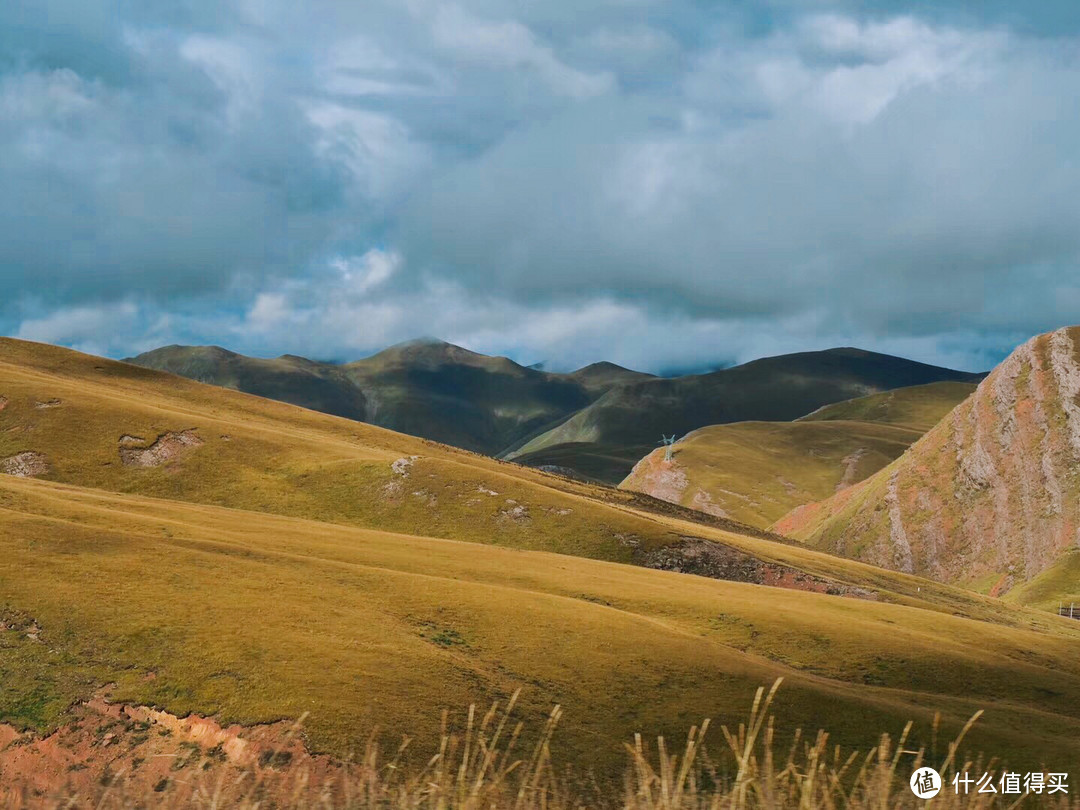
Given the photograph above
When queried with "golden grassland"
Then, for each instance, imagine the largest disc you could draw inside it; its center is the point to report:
(253, 618)
(917, 407)
(284, 568)
(485, 766)
(757, 472)
(268, 456)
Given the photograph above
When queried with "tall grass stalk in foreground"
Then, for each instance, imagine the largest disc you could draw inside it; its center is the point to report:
(480, 768)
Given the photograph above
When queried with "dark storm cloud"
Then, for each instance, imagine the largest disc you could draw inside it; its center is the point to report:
(658, 183)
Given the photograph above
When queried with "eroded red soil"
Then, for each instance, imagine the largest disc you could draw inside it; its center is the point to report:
(155, 758)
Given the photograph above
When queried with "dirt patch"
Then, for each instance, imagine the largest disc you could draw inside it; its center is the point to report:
(657, 476)
(426, 497)
(703, 502)
(851, 464)
(706, 558)
(3, 403)
(167, 447)
(49, 403)
(139, 752)
(25, 465)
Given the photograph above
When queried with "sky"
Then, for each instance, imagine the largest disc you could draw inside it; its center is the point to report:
(665, 184)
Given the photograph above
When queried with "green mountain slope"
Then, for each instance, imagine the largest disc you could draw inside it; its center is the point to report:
(426, 388)
(632, 417)
(756, 472)
(989, 498)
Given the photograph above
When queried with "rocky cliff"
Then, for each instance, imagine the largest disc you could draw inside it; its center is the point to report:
(988, 498)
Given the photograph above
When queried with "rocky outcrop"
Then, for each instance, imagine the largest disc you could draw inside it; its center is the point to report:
(991, 493)
(165, 448)
(25, 465)
(706, 558)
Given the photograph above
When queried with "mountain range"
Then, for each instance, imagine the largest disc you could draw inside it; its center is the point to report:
(596, 422)
(425, 387)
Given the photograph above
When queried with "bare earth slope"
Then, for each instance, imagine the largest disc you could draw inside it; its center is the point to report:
(756, 472)
(988, 498)
(627, 421)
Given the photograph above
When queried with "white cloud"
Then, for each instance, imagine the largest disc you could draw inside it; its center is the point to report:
(86, 328)
(361, 274)
(510, 44)
(376, 147)
(232, 67)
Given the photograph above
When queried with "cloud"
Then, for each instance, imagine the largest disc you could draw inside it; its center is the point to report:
(661, 184)
(510, 45)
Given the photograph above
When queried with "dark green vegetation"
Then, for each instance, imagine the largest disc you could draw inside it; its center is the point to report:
(776, 389)
(596, 422)
(425, 388)
(756, 472)
(206, 551)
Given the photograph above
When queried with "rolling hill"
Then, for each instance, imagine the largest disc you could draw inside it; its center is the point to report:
(595, 423)
(988, 498)
(426, 388)
(197, 550)
(624, 424)
(917, 407)
(756, 472)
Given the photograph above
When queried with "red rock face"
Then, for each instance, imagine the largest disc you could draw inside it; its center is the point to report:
(992, 490)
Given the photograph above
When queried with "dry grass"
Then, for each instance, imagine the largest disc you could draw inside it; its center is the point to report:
(757, 472)
(484, 766)
(316, 592)
(918, 407)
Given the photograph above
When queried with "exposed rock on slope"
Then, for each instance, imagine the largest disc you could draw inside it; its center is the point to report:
(167, 447)
(25, 465)
(989, 497)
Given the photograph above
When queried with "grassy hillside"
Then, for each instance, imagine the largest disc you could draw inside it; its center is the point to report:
(989, 498)
(426, 388)
(756, 472)
(253, 617)
(207, 551)
(773, 389)
(72, 411)
(91, 422)
(918, 407)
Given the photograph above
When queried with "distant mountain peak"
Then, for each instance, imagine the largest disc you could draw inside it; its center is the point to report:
(179, 350)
